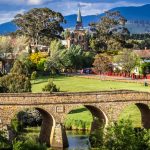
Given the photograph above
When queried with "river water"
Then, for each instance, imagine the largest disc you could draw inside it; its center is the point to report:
(78, 140)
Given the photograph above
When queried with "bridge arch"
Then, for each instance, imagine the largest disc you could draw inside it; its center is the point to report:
(48, 122)
(145, 114)
(139, 110)
(99, 117)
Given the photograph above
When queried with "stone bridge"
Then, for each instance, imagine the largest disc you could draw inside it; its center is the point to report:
(105, 106)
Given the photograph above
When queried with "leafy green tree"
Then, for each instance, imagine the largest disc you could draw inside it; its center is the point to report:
(39, 23)
(5, 45)
(54, 61)
(102, 63)
(15, 83)
(73, 58)
(128, 60)
(19, 68)
(110, 32)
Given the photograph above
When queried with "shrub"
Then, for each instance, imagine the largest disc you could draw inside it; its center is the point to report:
(4, 144)
(121, 135)
(28, 144)
(33, 75)
(50, 87)
(19, 68)
(15, 83)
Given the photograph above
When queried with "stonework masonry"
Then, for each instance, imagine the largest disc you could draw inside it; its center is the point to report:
(106, 106)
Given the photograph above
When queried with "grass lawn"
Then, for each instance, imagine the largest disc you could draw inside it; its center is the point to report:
(77, 84)
(81, 118)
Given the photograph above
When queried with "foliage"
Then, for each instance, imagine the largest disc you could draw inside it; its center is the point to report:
(97, 138)
(122, 135)
(145, 68)
(39, 23)
(110, 32)
(50, 87)
(36, 57)
(102, 63)
(6, 45)
(72, 57)
(19, 68)
(4, 143)
(41, 64)
(28, 144)
(66, 33)
(33, 75)
(54, 61)
(128, 60)
(15, 83)
(16, 125)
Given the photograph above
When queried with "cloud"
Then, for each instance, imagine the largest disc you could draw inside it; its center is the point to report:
(88, 7)
(6, 16)
(34, 2)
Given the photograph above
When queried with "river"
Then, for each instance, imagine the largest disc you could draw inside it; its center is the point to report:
(78, 140)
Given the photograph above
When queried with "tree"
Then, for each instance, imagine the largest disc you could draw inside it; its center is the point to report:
(102, 63)
(5, 45)
(19, 68)
(54, 61)
(39, 23)
(73, 58)
(128, 60)
(15, 83)
(110, 33)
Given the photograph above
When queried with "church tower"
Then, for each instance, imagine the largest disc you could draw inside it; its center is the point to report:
(79, 24)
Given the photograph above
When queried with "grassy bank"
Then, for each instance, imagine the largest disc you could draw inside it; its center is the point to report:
(77, 84)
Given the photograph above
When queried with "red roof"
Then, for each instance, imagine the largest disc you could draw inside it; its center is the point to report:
(143, 53)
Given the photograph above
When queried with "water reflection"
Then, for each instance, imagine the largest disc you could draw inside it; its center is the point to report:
(78, 140)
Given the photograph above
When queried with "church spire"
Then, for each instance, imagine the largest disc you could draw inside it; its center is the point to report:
(79, 24)
(79, 18)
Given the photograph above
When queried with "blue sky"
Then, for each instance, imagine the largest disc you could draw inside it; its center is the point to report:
(9, 8)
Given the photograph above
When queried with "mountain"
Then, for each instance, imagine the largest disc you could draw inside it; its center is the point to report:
(7, 27)
(132, 14)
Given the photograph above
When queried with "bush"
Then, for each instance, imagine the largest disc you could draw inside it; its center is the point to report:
(16, 125)
(50, 87)
(15, 83)
(33, 75)
(4, 144)
(120, 136)
(20, 68)
(28, 144)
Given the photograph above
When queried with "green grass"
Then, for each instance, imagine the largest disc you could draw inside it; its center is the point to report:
(133, 113)
(81, 118)
(78, 84)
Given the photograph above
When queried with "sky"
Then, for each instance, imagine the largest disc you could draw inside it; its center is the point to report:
(9, 8)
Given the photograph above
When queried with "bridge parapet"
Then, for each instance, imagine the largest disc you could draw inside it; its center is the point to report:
(65, 98)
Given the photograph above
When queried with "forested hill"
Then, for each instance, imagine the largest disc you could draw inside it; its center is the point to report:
(139, 19)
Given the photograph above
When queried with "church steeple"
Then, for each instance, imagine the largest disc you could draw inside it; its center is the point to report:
(79, 24)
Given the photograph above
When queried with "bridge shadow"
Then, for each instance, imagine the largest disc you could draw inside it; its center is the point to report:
(79, 110)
